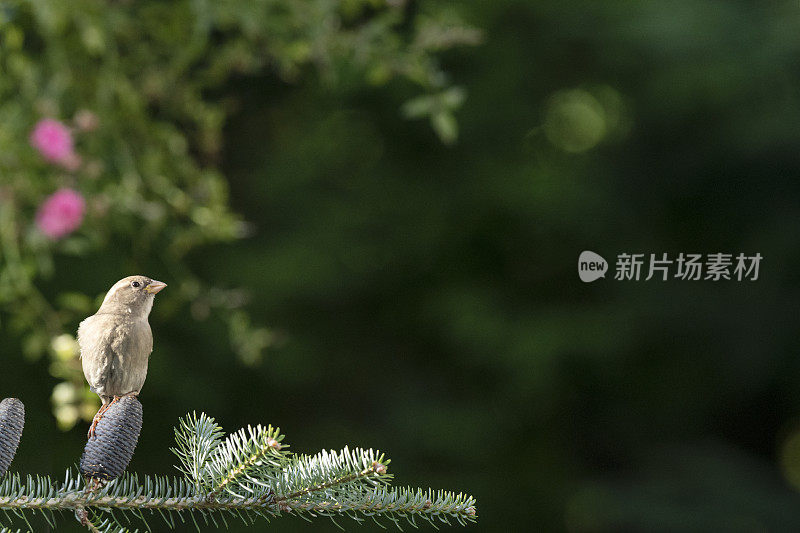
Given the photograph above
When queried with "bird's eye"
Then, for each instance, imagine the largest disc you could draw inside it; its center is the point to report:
(135, 284)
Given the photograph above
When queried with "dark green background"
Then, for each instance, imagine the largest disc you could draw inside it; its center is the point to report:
(428, 297)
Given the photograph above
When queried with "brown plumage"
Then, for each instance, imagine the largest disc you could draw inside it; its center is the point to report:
(116, 341)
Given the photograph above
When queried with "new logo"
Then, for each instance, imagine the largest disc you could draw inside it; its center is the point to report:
(591, 266)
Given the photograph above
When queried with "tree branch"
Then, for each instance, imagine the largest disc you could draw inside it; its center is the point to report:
(248, 474)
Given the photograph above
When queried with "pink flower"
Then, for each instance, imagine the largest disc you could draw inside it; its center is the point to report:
(54, 141)
(61, 213)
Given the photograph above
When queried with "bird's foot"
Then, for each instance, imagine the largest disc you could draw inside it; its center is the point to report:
(95, 420)
(99, 416)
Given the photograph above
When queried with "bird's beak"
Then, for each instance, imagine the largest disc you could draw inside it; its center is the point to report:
(154, 287)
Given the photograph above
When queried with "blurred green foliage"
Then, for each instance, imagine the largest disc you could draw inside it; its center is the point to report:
(140, 85)
(423, 298)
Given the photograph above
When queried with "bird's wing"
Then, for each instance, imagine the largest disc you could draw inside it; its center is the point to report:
(94, 337)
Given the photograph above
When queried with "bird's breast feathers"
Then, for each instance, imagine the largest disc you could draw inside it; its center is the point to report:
(114, 353)
(104, 335)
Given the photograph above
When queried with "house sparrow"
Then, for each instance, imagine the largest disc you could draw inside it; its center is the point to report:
(116, 341)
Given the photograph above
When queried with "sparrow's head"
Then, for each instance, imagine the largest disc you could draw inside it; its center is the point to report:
(132, 295)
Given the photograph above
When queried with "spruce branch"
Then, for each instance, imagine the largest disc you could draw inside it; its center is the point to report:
(196, 438)
(248, 475)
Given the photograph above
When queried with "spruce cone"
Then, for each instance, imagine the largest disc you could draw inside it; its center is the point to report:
(108, 453)
(12, 420)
